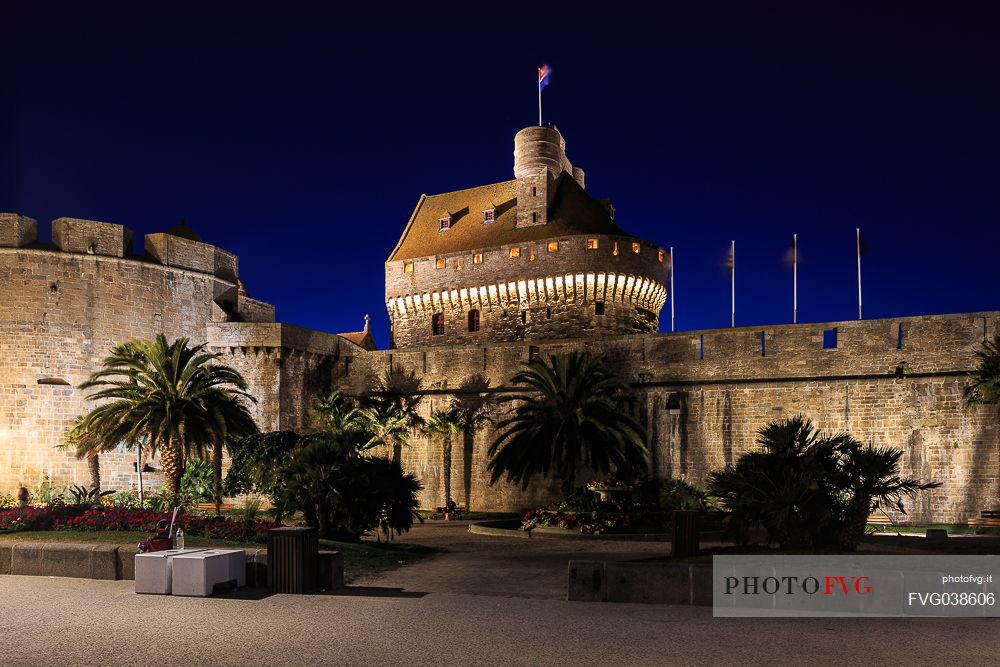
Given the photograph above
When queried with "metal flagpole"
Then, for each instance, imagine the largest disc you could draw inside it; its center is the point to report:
(859, 272)
(539, 102)
(671, 288)
(795, 278)
(732, 255)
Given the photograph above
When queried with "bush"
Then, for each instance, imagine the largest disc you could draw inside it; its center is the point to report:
(7, 502)
(128, 499)
(676, 494)
(197, 481)
(344, 493)
(807, 489)
(84, 518)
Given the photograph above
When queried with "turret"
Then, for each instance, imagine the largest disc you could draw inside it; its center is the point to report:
(539, 160)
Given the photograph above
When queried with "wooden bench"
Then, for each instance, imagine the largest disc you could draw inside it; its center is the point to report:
(211, 506)
(879, 519)
(986, 519)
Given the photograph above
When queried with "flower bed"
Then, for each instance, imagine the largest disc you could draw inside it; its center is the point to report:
(586, 522)
(90, 518)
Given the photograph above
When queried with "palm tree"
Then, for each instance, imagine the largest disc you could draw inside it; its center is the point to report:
(442, 425)
(790, 485)
(566, 415)
(874, 482)
(175, 395)
(392, 408)
(85, 445)
(336, 412)
(476, 411)
(985, 388)
(387, 426)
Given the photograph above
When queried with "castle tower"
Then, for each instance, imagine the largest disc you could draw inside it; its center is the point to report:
(539, 160)
(527, 259)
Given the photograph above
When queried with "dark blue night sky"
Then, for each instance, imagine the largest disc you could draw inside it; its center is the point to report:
(302, 143)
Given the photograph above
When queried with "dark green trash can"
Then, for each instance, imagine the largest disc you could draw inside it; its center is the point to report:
(684, 534)
(292, 560)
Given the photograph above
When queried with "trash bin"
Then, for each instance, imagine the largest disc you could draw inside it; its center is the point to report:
(684, 534)
(292, 560)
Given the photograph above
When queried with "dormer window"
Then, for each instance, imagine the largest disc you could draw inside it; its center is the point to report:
(407, 267)
(660, 256)
(477, 258)
(553, 246)
(614, 248)
(636, 247)
(440, 263)
(515, 252)
(444, 224)
(489, 215)
(591, 244)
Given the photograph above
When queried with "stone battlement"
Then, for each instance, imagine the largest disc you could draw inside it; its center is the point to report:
(106, 239)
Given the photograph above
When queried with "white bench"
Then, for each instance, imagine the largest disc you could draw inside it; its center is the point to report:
(153, 571)
(198, 573)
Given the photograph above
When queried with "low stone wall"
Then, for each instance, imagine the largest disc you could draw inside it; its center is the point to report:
(114, 562)
(657, 583)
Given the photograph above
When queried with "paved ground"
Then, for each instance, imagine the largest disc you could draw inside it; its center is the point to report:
(465, 607)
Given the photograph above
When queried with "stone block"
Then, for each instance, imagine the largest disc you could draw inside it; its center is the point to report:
(587, 581)
(92, 237)
(662, 583)
(126, 562)
(196, 574)
(86, 561)
(331, 570)
(183, 253)
(701, 585)
(5, 557)
(17, 230)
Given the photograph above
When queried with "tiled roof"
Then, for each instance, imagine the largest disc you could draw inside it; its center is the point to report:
(362, 339)
(572, 211)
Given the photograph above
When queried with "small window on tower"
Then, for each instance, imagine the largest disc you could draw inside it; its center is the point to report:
(437, 324)
(444, 223)
(591, 244)
(489, 215)
(553, 246)
(473, 320)
(407, 267)
(477, 258)
(439, 263)
(598, 308)
(636, 247)
(515, 252)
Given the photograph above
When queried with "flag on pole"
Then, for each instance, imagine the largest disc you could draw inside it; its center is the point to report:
(544, 74)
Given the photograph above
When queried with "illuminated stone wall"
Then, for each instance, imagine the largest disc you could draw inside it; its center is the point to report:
(703, 395)
(540, 294)
(64, 305)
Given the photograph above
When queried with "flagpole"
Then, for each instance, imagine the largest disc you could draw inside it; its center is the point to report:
(859, 272)
(539, 102)
(671, 288)
(732, 312)
(795, 278)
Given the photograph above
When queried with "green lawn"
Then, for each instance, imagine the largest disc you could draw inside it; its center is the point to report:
(360, 559)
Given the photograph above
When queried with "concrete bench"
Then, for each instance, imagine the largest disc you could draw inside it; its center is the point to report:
(154, 571)
(198, 573)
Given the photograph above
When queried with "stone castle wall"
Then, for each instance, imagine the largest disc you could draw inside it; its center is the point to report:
(702, 396)
(537, 294)
(63, 306)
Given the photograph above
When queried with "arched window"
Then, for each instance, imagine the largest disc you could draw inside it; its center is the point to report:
(437, 324)
(473, 320)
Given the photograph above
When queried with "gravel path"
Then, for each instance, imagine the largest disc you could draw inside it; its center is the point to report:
(489, 601)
